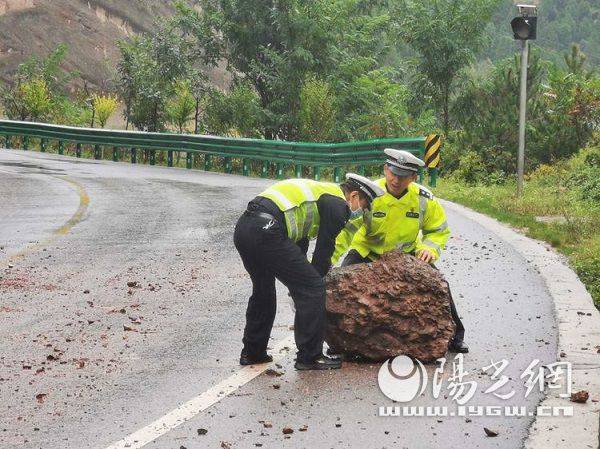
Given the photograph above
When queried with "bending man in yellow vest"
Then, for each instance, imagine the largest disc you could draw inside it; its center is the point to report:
(407, 217)
(272, 238)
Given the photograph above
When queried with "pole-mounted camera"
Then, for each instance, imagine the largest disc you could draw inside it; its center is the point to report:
(525, 25)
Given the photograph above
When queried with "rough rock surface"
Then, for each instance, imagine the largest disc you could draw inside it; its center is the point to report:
(396, 305)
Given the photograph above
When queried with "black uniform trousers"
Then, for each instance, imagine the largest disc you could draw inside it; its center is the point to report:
(353, 257)
(268, 254)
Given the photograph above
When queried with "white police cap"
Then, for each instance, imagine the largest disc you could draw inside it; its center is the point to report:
(368, 187)
(402, 163)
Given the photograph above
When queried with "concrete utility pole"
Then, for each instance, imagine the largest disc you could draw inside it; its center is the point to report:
(522, 116)
(524, 28)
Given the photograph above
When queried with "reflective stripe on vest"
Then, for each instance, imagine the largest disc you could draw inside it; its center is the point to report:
(281, 197)
(297, 199)
(422, 210)
(440, 228)
(432, 245)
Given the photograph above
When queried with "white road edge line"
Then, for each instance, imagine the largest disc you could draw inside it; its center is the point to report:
(195, 406)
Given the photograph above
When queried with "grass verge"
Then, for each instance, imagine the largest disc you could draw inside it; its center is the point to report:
(547, 211)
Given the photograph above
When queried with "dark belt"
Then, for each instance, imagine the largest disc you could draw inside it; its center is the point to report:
(255, 213)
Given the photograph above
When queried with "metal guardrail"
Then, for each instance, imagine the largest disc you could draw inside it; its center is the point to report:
(274, 156)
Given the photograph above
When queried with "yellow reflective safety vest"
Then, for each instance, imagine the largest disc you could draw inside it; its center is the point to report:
(413, 222)
(297, 199)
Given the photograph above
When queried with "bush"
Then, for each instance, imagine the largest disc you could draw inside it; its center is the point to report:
(36, 99)
(587, 184)
(105, 106)
(592, 156)
(471, 168)
(584, 174)
(497, 177)
(587, 266)
(550, 175)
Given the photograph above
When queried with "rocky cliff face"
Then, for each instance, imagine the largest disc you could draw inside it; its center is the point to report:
(396, 305)
(90, 28)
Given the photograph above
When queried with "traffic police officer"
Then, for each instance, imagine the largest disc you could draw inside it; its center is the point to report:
(272, 238)
(407, 217)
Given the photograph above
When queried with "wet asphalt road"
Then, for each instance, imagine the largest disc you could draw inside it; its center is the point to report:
(86, 360)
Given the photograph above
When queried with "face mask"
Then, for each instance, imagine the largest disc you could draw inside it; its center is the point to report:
(356, 213)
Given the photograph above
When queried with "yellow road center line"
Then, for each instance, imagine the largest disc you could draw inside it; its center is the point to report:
(77, 217)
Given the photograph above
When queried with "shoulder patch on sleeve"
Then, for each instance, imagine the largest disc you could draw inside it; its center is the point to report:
(426, 193)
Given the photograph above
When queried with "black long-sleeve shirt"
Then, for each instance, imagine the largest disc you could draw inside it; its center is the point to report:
(333, 212)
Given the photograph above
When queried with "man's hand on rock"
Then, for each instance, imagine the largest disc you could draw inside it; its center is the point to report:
(425, 256)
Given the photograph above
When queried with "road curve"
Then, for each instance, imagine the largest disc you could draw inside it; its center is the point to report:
(87, 360)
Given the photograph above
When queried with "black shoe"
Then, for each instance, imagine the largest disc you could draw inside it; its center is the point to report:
(458, 346)
(334, 353)
(246, 359)
(322, 362)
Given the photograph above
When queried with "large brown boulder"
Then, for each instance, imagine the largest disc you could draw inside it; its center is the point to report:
(396, 305)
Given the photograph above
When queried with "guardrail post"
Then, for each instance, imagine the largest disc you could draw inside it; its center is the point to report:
(115, 154)
(170, 158)
(207, 162)
(134, 155)
(337, 174)
(78, 150)
(298, 170)
(8, 142)
(433, 175)
(97, 152)
(26, 143)
(188, 160)
(228, 165)
(245, 167)
(152, 157)
(279, 170)
(317, 172)
(264, 171)
(43, 143)
(61, 147)
(361, 170)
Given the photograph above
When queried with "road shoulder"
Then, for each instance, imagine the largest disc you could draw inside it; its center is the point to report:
(578, 323)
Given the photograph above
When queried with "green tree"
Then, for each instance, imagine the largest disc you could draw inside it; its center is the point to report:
(37, 91)
(317, 117)
(237, 113)
(181, 106)
(34, 98)
(245, 110)
(374, 105)
(49, 69)
(486, 112)
(126, 72)
(275, 45)
(271, 44)
(149, 69)
(447, 34)
(217, 119)
(563, 110)
(572, 112)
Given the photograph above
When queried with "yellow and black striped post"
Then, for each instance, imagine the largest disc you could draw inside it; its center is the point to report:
(433, 144)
